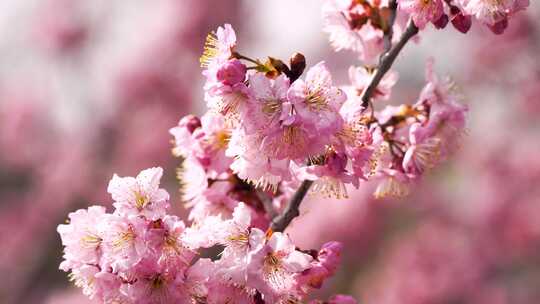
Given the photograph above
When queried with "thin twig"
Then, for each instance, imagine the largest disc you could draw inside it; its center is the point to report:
(240, 56)
(386, 62)
(291, 211)
(387, 59)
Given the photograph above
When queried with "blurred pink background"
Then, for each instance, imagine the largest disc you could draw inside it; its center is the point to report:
(90, 88)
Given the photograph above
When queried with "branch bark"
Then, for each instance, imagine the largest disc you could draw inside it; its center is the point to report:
(291, 211)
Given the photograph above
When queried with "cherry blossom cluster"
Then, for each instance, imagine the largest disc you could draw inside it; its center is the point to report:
(360, 25)
(141, 254)
(269, 129)
(492, 13)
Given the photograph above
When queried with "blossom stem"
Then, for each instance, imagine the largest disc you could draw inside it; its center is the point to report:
(387, 59)
(240, 56)
(292, 209)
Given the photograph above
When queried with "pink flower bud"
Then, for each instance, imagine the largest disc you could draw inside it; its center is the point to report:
(330, 255)
(232, 72)
(460, 21)
(314, 277)
(441, 22)
(499, 27)
(190, 122)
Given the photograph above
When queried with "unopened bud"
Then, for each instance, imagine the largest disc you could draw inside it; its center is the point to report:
(190, 122)
(298, 64)
(499, 27)
(441, 22)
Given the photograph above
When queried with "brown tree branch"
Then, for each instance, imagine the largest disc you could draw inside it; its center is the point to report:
(389, 32)
(387, 59)
(291, 211)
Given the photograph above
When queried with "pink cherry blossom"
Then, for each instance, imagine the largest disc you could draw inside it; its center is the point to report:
(219, 46)
(330, 255)
(266, 106)
(213, 200)
(422, 11)
(447, 117)
(492, 12)
(227, 100)
(225, 91)
(393, 183)
(139, 195)
(154, 284)
(193, 180)
(183, 141)
(168, 237)
(322, 268)
(360, 78)
(253, 166)
(123, 241)
(423, 152)
(309, 118)
(348, 31)
(220, 292)
(235, 234)
(317, 98)
(204, 284)
(83, 278)
(272, 268)
(206, 144)
(82, 237)
(330, 177)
